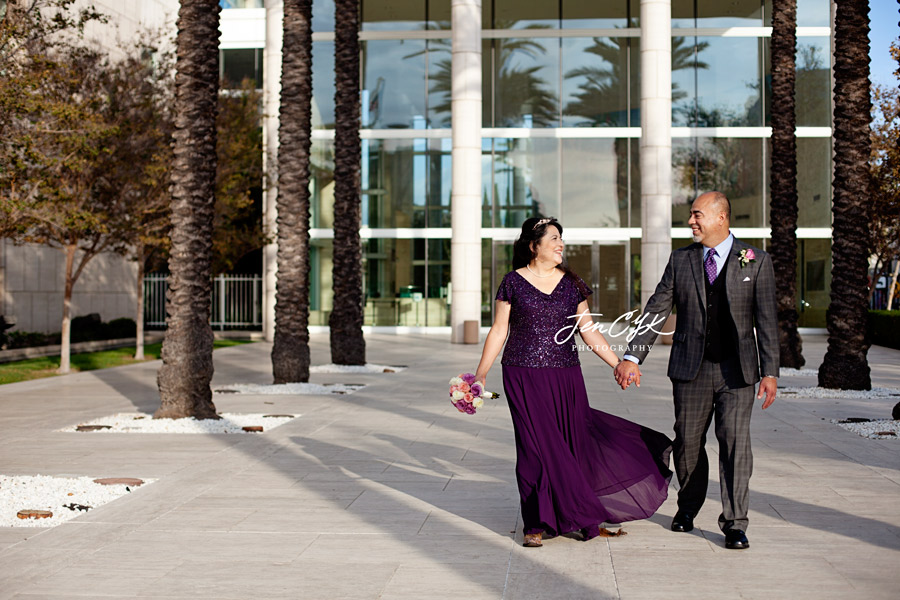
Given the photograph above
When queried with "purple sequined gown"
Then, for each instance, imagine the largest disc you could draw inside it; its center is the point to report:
(576, 467)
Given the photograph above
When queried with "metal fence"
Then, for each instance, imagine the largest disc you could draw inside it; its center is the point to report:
(236, 301)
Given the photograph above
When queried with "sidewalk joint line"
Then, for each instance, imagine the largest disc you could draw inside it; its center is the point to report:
(354, 500)
(612, 564)
(422, 526)
(388, 582)
(509, 561)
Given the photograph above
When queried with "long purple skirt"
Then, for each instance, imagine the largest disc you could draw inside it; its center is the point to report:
(577, 467)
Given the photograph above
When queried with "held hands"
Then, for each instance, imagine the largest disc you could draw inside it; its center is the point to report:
(626, 373)
(768, 386)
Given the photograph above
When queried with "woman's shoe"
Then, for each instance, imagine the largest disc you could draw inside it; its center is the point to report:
(604, 532)
(532, 540)
(589, 533)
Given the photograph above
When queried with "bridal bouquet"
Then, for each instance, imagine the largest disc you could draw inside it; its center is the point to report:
(467, 395)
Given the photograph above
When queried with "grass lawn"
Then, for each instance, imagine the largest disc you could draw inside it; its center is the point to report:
(35, 368)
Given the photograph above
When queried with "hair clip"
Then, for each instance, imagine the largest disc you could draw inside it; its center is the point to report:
(541, 222)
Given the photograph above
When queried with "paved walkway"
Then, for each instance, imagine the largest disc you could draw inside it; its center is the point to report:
(391, 493)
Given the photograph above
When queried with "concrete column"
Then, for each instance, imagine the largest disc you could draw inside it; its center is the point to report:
(465, 199)
(272, 100)
(656, 142)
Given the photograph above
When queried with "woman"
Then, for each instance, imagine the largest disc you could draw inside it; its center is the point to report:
(576, 467)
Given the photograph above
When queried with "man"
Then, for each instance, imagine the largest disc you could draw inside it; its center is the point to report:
(721, 288)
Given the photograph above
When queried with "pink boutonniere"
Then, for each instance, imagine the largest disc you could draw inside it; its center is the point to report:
(747, 256)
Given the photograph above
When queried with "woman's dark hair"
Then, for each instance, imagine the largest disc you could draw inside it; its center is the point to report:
(525, 248)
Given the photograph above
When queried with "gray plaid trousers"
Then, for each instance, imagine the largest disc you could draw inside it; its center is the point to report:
(717, 392)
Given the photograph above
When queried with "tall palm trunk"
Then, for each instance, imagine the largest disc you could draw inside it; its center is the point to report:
(348, 347)
(187, 368)
(290, 352)
(845, 365)
(783, 213)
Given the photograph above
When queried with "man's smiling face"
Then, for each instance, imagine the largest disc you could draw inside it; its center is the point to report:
(708, 221)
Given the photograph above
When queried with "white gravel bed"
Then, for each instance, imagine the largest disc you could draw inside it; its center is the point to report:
(366, 368)
(786, 372)
(291, 389)
(818, 392)
(876, 429)
(42, 492)
(145, 423)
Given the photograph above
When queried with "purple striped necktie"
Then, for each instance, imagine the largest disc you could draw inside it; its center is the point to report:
(711, 265)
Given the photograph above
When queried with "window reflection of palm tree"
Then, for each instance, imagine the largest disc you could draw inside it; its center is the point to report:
(518, 90)
(518, 177)
(598, 100)
(374, 107)
(686, 56)
(813, 87)
(723, 164)
(730, 165)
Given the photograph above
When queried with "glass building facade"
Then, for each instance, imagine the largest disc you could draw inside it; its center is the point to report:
(560, 135)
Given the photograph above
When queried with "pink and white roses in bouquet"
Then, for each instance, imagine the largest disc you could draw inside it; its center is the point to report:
(467, 394)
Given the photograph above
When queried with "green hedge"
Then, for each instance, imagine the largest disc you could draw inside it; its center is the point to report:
(884, 328)
(30, 339)
(90, 327)
(85, 328)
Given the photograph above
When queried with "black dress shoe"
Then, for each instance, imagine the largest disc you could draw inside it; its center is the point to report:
(683, 521)
(735, 539)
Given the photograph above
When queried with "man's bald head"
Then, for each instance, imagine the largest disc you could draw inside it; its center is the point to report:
(718, 202)
(710, 218)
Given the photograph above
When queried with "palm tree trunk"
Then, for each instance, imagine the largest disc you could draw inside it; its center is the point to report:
(187, 368)
(783, 214)
(290, 352)
(348, 347)
(845, 365)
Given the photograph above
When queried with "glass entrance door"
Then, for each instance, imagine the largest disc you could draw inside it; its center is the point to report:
(603, 266)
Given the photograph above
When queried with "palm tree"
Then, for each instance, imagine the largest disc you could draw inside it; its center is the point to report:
(290, 352)
(519, 90)
(845, 365)
(348, 347)
(783, 213)
(522, 91)
(602, 84)
(187, 368)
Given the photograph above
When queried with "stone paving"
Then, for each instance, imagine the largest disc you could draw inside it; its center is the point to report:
(389, 492)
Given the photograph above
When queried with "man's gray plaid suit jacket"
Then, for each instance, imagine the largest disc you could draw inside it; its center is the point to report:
(751, 300)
